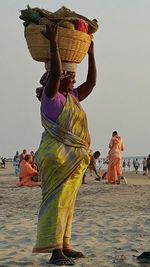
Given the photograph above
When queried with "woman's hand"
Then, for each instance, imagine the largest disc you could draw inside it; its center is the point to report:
(51, 33)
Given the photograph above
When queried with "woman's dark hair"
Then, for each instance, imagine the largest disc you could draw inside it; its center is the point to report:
(44, 78)
(97, 153)
(114, 133)
(27, 157)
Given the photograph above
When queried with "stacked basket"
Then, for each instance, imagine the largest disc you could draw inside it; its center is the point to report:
(73, 44)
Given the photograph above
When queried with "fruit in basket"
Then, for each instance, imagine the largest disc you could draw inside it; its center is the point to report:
(66, 24)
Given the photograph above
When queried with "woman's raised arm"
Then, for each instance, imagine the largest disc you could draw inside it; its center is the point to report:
(86, 88)
(53, 82)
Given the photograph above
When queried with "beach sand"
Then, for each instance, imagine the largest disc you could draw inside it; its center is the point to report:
(111, 222)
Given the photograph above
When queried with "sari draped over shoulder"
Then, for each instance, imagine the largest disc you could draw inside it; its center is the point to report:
(62, 158)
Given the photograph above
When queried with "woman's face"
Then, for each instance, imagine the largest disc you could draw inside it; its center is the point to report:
(67, 81)
(30, 159)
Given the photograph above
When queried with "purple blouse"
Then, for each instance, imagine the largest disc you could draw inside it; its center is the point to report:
(52, 107)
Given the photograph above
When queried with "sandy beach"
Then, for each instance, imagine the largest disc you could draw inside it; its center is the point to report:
(111, 222)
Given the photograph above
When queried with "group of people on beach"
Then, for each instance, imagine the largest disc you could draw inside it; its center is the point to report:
(26, 169)
(113, 175)
(136, 164)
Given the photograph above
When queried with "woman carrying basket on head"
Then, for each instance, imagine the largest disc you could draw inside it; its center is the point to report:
(63, 154)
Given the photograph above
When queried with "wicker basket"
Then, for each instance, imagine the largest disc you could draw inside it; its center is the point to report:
(73, 45)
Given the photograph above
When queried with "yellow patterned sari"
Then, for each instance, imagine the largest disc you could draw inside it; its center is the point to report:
(62, 158)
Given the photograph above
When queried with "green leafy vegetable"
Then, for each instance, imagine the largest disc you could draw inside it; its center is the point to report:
(29, 15)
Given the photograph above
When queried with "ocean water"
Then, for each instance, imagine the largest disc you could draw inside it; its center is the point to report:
(100, 163)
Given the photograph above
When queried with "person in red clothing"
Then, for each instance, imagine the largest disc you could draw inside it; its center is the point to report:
(27, 173)
(114, 172)
(22, 155)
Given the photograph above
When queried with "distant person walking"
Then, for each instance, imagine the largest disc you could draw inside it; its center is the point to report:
(124, 164)
(114, 172)
(136, 165)
(129, 164)
(144, 162)
(16, 163)
(148, 165)
(3, 162)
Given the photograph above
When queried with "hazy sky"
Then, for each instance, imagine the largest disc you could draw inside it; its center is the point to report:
(121, 99)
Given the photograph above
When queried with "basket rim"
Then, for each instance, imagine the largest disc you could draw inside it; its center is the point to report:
(61, 29)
